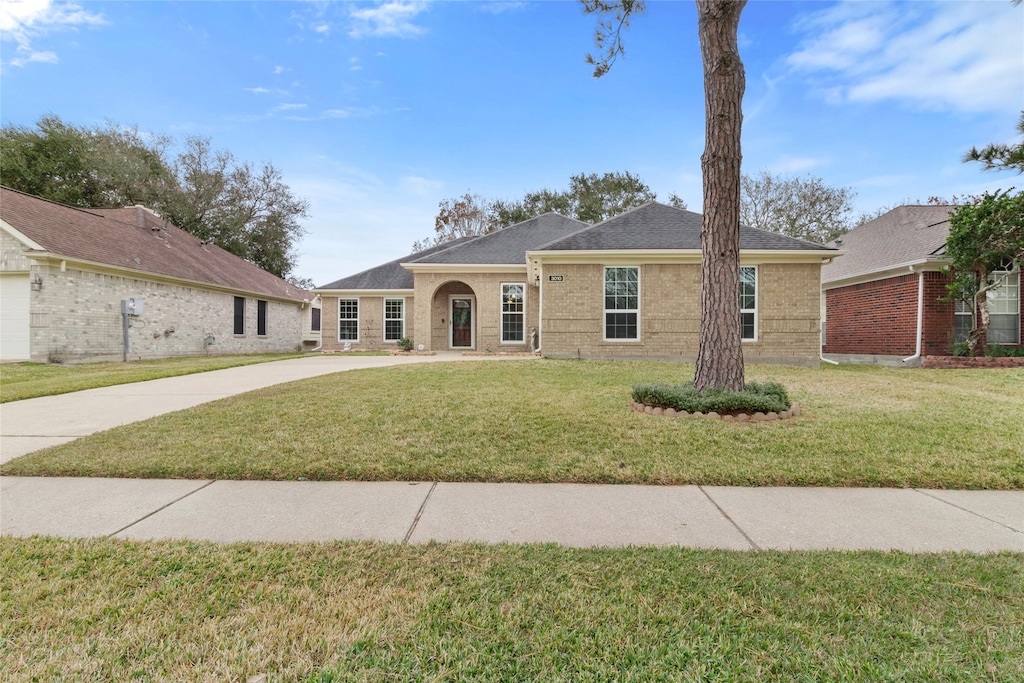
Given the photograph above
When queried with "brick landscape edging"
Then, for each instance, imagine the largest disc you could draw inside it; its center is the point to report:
(966, 362)
(794, 411)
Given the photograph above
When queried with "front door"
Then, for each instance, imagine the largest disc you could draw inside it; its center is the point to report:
(462, 322)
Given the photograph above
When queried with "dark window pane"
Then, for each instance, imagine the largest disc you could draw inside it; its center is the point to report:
(315, 325)
(620, 325)
(239, 315)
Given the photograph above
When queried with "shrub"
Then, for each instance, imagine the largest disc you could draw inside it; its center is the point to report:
(961, 349)
(765, 397)
(405, 344)
(998, 351)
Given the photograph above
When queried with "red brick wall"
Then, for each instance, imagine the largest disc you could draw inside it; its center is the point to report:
(880, 317)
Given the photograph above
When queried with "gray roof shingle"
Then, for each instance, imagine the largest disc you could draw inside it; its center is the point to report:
(391, 275)
(660, 226)
(137, 239)
(907, 234)
(507, 246)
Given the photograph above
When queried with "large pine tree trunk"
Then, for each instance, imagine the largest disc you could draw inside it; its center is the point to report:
(720, 352)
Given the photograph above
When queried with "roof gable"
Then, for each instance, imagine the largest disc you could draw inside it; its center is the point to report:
(655, 226)
(907, 234)
(137, 239)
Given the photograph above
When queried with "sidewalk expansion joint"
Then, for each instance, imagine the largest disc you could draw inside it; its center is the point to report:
(725, 514)
(969, 511)
(419, 513)
(161, 508)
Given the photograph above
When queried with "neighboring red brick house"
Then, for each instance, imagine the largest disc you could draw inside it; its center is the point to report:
(883, 297)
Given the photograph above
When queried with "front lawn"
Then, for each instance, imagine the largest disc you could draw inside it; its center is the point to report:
(570, 421)
(30, 380)
(113, 610)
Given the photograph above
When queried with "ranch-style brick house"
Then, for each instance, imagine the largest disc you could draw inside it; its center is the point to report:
(627, 287)
(123, 284)
(883, 299)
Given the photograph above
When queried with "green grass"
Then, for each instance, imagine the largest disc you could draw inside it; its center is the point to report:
(111, 610)
(570, 421)
(19, 381)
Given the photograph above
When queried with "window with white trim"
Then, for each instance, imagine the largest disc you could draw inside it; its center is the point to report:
(748, 303)
(513, 312)
(1004, 308)
(394, 319)
(963, 321)
(348, 319)
(621, 303)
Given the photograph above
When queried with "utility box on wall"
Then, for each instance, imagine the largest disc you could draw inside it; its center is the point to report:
(131, 306)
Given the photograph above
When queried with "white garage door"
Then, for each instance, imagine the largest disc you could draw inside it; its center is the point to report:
(14, 296)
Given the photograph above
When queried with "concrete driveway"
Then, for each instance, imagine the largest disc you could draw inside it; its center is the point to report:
(37, 423)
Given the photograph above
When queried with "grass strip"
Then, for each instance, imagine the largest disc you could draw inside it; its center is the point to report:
(113, 610)
(19, 381)
(570, 421)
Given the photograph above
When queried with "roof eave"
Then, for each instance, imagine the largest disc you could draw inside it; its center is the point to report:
(678, 255)
(464, 267)
(365, 292)
(930, 263)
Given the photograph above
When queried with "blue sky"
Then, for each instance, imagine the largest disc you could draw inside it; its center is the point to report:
(376, 111)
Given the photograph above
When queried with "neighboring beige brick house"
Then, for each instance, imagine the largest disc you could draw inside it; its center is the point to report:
(628, 287)
(64, 273)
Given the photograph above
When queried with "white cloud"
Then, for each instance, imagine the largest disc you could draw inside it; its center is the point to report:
(290, 107)
(951, 55)
(280, 70)
(501, 6)
(257, 91)
(23, 21)
(393, 19)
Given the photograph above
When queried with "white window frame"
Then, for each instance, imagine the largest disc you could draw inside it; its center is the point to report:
(605, 311)
(340, 319)
(262, 311)
(963, 308)
(996, 275)
(753, 310)
(521, 313)
(386, 320)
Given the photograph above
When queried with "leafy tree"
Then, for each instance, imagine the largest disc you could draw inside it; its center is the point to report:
(248, 211)
(456, 218)
(589, 198)
(676, 201)
(984, 236)
(805, 208)
(83, 167)
(719, 353)
(1000, 157)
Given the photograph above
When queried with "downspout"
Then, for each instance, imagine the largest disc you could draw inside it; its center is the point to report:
(540, 309)
(821, 341)
(920, 316)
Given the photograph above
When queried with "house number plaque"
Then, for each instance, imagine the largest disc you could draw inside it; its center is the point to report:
(555, 278)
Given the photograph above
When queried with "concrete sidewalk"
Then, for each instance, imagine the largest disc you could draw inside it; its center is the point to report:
(568, 514)
(36, 423)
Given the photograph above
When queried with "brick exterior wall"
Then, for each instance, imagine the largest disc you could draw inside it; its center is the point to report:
(76, 315)
(880, 317)
(788, 299)
(433, 290)
(371, 323)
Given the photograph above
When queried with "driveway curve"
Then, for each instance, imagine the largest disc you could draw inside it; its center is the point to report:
(37, 423)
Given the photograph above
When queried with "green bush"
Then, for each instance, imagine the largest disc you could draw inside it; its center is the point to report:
(405, 344)
(998, 351)
(961, 349)
(765, 397)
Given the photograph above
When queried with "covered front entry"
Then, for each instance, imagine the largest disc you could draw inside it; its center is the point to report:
(461, 314)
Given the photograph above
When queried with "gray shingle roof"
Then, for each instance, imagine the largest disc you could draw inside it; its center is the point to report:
(659, 226)
(390, 275)
(137, 239)
(907, 234)
(507, 246)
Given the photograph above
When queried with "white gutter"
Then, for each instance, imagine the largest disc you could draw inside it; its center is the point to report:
(540, 306)
(920, 315)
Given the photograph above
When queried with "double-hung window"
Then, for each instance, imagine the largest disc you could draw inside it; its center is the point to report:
(513, 310)
(348, 319)
(748, 303)
(621, 303)
(964, 320)
(1004, 308)
(394, 319)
